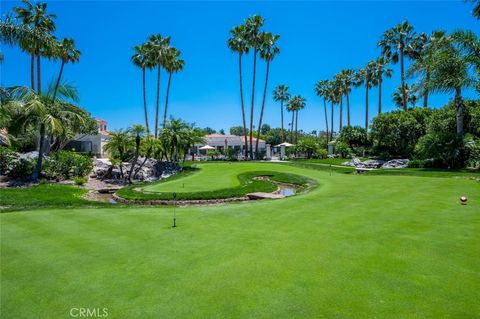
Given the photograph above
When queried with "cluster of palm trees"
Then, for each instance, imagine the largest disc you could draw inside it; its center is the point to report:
(157, 53)
(243, 38)
(294, 104)
(440, 62)
(173, 142)
(50, 111)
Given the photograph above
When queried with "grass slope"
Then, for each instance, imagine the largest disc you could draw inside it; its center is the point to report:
(44, 196)
(356, 247)
(209, 181)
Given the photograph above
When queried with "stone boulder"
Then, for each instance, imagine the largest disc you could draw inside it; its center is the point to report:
(101, 167)
(356, 162)
(396, 163)
(144, 170)
(373, 163)
(29, 156)
(4, 141)
(165, 169)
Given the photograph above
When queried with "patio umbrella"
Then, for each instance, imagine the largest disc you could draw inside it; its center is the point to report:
(284, 144)
(207, 147)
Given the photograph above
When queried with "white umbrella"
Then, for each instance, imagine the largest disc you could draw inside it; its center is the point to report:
(284, 144)
(207, 147)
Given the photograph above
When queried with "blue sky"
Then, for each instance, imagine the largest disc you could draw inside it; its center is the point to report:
(318, 39)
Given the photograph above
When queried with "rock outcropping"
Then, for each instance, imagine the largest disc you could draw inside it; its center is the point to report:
(395, 163)
(144, 170)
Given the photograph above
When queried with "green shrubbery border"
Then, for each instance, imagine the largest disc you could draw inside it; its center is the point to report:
(247, 185)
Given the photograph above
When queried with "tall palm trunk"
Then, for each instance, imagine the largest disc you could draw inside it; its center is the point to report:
(380, 94)
(263, 107)
(39, 80)
(281, 116)
(158, 100)
(41, 150)
(253, 102)
(243, 106)
(425, 89)
(296, 126)
(459, 111)
(331, 130)
(145, 100)
(291, 129)
(402, 72)
(348, 106)
(32, 71)
(166, 100)
(135, 158)
(58, 80)
(326, 116)
(366, 105)
(341, 115)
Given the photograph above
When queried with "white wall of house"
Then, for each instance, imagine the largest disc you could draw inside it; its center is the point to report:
(92, 143)
(230, 141)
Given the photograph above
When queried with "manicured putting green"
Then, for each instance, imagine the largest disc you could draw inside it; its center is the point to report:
(354, 247)
(209, 177)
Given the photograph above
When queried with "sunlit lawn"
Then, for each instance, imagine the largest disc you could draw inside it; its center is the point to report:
(354, 247)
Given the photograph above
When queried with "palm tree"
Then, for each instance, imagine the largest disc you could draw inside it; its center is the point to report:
(136, 130)
(141, 59)
(238, 43)
(281, 94)
(333, 98)
(68, 54)
(12, 34)
(346, 78)
(396, 43)
(35, 16)
(411, 96)
(252, 30)
(172, 64)
(450, 70)
(476, 8)
(158, 46)
(291, 108)
(118, 144)
(51, 116)
(295, 104)
(339, 92)
(321, 89)
(268, 50)
(380, 72)
(366, 77)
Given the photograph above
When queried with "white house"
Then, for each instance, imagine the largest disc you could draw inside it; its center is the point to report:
(221, 142)
(93, 144)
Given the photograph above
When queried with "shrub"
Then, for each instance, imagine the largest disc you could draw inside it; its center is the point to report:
(417, 163)
(79, 180)
(342, 149)
(472, 151)
(22, 168)
(213, 154)
(355, 137)
(7, 157)
(322, 153)
(64, 164)
(441, 143)
(307, 146)
(396, 133)
(231, 154)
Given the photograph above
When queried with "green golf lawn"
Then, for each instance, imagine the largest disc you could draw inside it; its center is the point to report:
(356, 246)
(210, 177)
